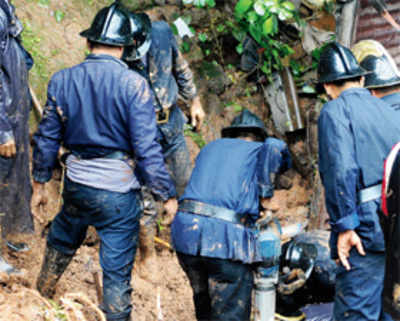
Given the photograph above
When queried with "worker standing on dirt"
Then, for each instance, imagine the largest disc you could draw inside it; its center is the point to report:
(356, 132)
(156, 57)
(384, 83)
(103, 113)
(15, 185)
(213, 231)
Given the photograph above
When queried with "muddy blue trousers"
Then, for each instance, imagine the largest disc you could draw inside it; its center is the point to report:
(221, 288)
(359, 291)
(116, 219)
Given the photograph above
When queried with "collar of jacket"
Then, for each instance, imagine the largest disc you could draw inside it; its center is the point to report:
(94, 57)
(350, 91)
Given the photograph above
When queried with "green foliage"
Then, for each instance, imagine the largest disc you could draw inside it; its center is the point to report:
(185, 47)
(202, 37)
(197, 138)
(59, 15)
(32, 43)
(235, 106)
(260, 19)
(200, 3)
(44, 3)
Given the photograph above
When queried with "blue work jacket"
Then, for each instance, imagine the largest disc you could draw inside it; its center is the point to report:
(393, 100)
(356, 131)
(233, 174)
(101, 104)
(166, 69)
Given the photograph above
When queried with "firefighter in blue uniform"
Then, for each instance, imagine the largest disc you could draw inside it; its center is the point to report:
(15, 185)
(213, 230)
(103, 113)
(384, 83)
(156, 57)
(356, 131)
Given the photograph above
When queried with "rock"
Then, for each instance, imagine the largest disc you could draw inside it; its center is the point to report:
(137, 5)
(284, 182)
(200, 17)
(216, 78)
(298, 195)
(196, 53)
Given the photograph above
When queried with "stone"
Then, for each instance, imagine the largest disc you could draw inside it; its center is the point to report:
(284, 182)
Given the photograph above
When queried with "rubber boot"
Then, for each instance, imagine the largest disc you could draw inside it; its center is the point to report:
(147, 263)
(53, 266)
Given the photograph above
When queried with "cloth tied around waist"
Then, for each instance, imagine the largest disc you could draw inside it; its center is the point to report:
(113, 172)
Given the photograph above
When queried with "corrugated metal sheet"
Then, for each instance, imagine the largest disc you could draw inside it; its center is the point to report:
(373, 26)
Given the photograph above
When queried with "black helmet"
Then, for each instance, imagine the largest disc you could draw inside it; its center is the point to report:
(112, 26)
(299, 255)
(141, 32)
(373, 57)
(246, 121)
(338, 63)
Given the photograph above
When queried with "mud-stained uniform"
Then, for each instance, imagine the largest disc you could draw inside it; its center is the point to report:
(216, 254)
(15, 185)
(356, 132)
(169, 75)
(103, 113)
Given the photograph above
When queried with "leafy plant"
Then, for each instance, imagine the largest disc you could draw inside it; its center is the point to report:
(59, 15)
(200, 3)
(260, 19)
(197, 138)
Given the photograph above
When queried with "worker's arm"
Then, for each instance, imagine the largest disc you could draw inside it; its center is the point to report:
(339, 174)
(273, 159)
(184, 79)
(143, 133)
(47, 138)
(47, 141)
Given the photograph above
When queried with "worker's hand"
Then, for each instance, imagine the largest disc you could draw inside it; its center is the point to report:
(39, 197)
(346, 241)
(197, 113)
(170, 209)
(8, 149)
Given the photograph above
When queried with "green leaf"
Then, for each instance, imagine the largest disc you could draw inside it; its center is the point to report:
(239, 34)
(242, 7)
(239, 49)
(220, 28)
(210, 3)
(185, 46)
(252, 17)
(237, 108)
(270, 26)
(288, 6)
(59, 15)
(202, 37)
(308, 89)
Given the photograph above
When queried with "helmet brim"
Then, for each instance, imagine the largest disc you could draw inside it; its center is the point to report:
(388, 84)
(361, 73)
(231, 131)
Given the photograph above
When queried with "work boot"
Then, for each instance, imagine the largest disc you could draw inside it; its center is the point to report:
(147, 262)
(53, 266)
(6, 267)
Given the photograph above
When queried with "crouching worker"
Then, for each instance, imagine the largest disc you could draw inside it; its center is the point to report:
(213, 231)
(103, 113)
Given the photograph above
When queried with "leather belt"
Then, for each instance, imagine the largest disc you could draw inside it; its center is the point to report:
(370, 193)
(205, 209)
